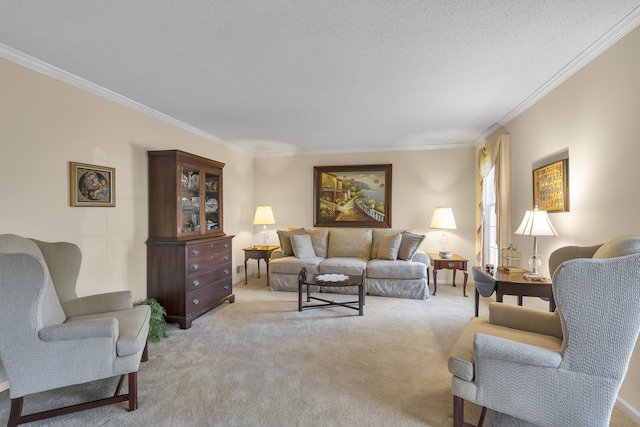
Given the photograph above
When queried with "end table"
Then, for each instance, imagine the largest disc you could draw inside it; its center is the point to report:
(456, 262)
(258, 253)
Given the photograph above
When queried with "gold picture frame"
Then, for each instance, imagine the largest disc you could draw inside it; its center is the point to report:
(352, 196)
(551, 187)
(91, 185)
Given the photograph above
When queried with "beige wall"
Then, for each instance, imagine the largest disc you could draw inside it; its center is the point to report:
(421, 181)
(593, 115)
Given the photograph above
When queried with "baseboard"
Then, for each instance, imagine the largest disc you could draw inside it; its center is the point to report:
(4, 386)
(629, 410)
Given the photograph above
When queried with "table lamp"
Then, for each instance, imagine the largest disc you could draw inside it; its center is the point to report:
(263, 217)
(443, 218)
(535, 223)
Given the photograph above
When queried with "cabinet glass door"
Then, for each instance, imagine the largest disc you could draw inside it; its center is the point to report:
(190, 200)
(212, 205)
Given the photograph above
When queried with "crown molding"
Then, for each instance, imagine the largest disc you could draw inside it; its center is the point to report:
(622, 28)
(52, 71)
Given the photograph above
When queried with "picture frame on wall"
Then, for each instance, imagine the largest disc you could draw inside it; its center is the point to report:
(551, 186)
(352, 196)
(91, 185)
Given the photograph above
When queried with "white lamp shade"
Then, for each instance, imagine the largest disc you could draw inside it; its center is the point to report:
(263, 216)
(536, 223)
(443, 218)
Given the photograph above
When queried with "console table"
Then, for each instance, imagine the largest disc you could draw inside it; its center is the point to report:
(258, 253)
(516, 284)
(455, 263)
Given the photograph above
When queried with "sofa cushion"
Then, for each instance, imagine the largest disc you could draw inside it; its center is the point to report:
(379, 233)
(301, 245)
(350, 242)
(319, 239)
(52, 312)
(386, 269)
(343, 265)
(389, 245)
(292, 265)
(409, 245)
(620, 246)
(285, 239)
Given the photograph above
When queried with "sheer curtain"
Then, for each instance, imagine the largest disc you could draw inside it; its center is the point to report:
(495, 154)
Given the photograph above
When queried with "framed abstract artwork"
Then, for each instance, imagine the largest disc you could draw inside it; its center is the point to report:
(551, 187)
(92, 185)
(352, 196)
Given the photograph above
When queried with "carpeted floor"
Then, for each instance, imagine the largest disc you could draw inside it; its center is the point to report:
(260, 362)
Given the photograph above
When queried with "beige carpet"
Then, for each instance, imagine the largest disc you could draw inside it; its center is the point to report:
(260, 362)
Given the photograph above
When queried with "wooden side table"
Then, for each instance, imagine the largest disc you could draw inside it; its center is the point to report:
(455, 263)
(258, 253)
(516, 284)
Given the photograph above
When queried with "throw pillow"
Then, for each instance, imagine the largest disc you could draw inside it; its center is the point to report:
(285, 239)
(302, 246)
(620, 246)
(409, 244)
(389, 246)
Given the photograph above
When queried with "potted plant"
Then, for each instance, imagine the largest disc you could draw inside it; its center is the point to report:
(157, 324)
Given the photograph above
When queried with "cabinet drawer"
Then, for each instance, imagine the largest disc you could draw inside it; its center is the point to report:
(204, 299)
(208, 248)
(451, 265)
(200, 280)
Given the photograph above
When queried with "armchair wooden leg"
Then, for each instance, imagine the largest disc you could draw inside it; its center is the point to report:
(16, 411)
(145, 352)
(458, 413)
(133, 391)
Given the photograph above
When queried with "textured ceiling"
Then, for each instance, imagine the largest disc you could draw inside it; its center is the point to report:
(328, 76)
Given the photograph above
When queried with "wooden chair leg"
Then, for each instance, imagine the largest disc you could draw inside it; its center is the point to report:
(16, 411)
(145, 352)
(133, 391)
(458, 413)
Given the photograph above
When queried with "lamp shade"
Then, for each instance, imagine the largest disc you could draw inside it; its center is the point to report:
(263, 216)
(443, 218)
(536, 223)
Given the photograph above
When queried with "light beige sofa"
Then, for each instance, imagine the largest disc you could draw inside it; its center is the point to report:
(388, 259)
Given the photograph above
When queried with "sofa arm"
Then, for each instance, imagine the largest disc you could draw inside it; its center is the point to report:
(277, 254)
(525, 319)
(422, 257)
(93, 328)
(99, 303)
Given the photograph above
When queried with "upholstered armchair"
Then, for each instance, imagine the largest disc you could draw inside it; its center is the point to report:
(50, 338)
(561, 368)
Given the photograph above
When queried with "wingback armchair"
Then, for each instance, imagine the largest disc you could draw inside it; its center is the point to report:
(50, 338)
(561, 368)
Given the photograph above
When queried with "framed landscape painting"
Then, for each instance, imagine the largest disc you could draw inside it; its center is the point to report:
(352, 196)
(92, 185)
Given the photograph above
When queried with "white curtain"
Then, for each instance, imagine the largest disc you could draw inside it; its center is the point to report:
(495, 154)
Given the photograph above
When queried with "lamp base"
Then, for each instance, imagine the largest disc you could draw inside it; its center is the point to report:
(534, 276)
(445, 254)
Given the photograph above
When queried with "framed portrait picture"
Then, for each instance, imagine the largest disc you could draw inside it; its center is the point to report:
(551, 187)
(352, 196)
(92, 185)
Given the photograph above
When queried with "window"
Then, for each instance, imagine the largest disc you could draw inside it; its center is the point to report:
(490, 251)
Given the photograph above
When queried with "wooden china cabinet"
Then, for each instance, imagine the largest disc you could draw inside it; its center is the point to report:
(189, 268)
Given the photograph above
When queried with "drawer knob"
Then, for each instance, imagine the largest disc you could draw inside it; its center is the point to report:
(226, 271)
(195, 267)
(226, 287)
(196, 283)
(196, 302)
(451, 264)
(226, 245)
(226, 258)
(195, 252)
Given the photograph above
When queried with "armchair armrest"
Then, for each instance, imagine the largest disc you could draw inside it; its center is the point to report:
(82, 329)
(277, 254)
(99, 303)
(488, 346)
(525, 319)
